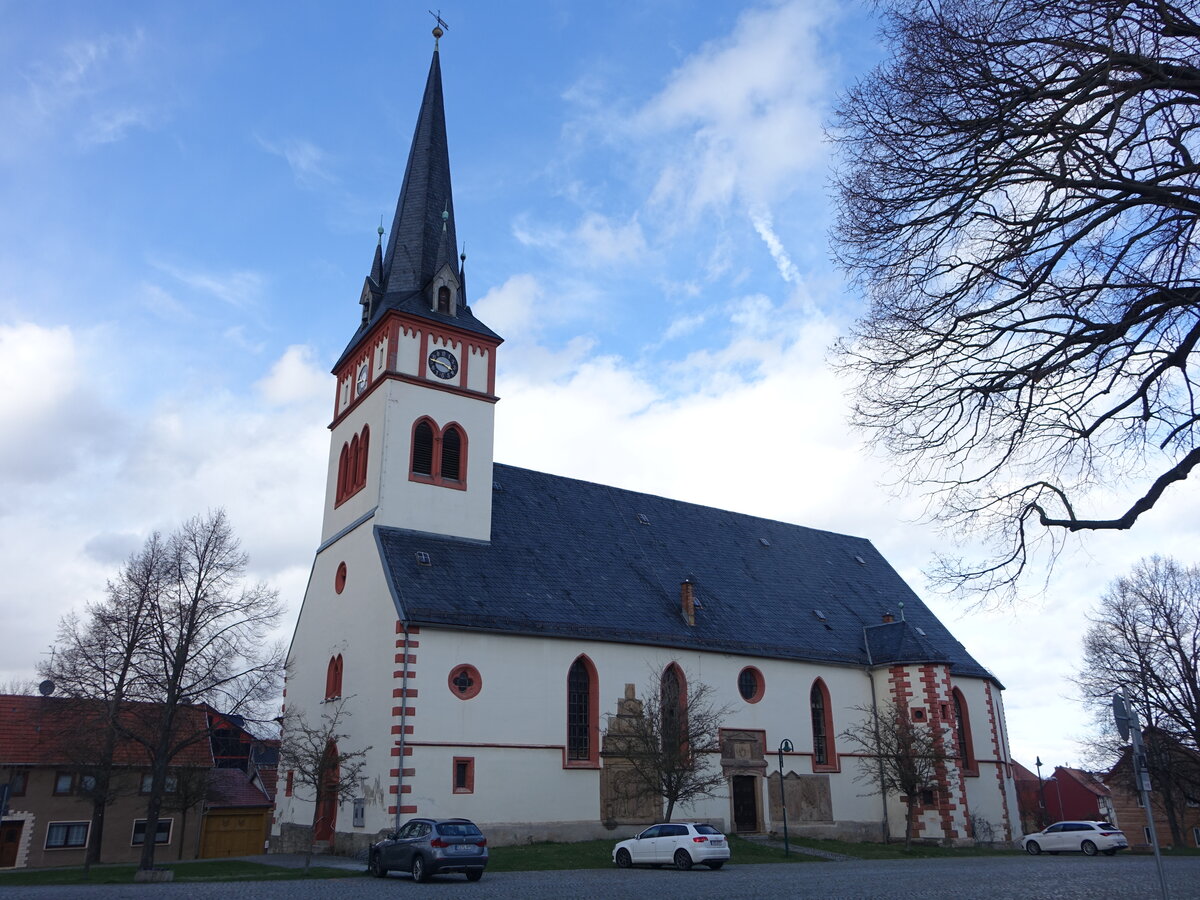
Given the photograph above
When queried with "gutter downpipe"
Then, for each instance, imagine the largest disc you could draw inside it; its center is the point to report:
(869, 671)
(403, 728)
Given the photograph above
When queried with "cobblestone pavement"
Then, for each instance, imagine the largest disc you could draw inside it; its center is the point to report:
(1005, 878)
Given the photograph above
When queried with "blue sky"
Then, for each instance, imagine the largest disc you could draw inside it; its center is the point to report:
(190, 198)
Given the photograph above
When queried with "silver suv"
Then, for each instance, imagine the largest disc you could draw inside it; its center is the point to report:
(428, 847)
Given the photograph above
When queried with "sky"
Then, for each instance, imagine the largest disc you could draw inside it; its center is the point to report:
(189, 197)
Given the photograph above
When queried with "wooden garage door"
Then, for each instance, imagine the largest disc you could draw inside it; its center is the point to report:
(233, 833)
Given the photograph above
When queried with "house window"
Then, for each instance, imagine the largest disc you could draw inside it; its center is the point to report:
(1146, 834)
(333, 678)
(1196, 835)
(64, 783)
(171, 785)
(821, 713)
(966, 750)
(750, 684)
(17, 782)
(162, 834)
(67, 835)
(464, 775)
(439, 455)
(582, 713)
(465, 682)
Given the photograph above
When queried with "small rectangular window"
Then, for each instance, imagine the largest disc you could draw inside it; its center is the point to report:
(161, 836)
(64, 783)
(464, 775)
(1146, 832)
(67, 835)
(17, 782)
(1196, 835)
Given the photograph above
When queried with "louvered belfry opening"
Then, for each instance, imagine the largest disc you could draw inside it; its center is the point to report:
(422, 461)
(451, 454)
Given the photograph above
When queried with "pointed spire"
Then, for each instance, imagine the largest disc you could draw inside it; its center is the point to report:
(377, 263)
(421, 234)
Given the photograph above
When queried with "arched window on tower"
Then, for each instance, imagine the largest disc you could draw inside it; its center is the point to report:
(360, 477)
(443, 300)
(343, 464)
(582, 714)
(352, 467)
(824, 755)
(422, 452)
(333, 678)
(965, 746)
(451, 453)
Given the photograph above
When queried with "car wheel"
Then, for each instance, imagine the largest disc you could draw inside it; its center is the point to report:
(1110, 852)
(474, 874)
(419, 872)
(1033, 848)
(624, 860)
(376, 867)
(1088, 848)
(715, 865)
(683, 861)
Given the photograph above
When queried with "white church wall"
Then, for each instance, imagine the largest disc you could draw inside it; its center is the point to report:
(478, 364)
(368, 412)
(408, 351)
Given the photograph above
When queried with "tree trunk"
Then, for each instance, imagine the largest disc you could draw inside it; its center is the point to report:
(910, 815)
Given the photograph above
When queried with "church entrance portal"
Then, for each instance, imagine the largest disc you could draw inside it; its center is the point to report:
(745, 803)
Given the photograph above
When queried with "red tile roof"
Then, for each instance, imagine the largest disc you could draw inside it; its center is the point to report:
(228, 788)
(53, 731)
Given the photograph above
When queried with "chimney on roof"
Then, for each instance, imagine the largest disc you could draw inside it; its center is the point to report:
(687, 598)
(888, 617)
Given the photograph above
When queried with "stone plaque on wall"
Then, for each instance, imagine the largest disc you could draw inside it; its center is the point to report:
(808, 798)
(742, 752)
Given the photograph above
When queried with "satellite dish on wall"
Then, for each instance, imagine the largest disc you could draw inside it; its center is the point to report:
(46, 688)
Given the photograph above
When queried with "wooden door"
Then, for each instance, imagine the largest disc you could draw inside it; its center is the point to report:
(233, 833)
(10, 841)
(745, 803)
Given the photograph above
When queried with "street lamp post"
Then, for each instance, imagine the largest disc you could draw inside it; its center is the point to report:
(785, 746)
(1045, 816)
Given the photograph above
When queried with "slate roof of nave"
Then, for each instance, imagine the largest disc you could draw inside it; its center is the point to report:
(574, 559)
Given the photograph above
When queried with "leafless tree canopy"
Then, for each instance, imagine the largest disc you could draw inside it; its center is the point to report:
(671, 748)
(316, 754)
(178, 629)
(1018, 191)
(900, 757)
(1144, 641)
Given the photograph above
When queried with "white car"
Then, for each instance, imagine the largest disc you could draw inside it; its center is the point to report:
(1088, 838)
(681, 844)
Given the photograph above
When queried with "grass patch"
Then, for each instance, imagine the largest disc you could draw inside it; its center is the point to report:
(896, 850)
(208, 870)
(541, 857)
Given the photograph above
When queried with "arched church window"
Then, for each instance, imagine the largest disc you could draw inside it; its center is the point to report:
(582, 713)
(422, 453)
(962, 722)
(824, 756)
(339, 491)
(443, 300)
(360, 475)
(673, 700)
(451, 453)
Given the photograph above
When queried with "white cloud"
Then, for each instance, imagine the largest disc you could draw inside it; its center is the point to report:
(595, 242)
(764, 226)
(294, 378)
(240, 289)
(307, 161)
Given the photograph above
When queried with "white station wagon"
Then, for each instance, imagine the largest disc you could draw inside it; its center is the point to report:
(1078, 837)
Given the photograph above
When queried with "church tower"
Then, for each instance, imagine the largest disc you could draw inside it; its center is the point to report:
(413, 415)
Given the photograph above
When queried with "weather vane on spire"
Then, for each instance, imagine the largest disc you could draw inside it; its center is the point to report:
(440, 28)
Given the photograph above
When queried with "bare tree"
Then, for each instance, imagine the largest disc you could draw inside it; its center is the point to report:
(93, 665)
(191, 789)
(20, 686)
(669, 747)
(1018, 191)
(314, 753)
(901, 757)
(1144, 641)
(178, 630)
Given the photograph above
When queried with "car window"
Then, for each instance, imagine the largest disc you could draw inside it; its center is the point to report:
(422, 830)
(652, 831)
(407, 831)
(705, 828)
(457, 829)
(1054, 829)
(1106, 826)
(674, 830)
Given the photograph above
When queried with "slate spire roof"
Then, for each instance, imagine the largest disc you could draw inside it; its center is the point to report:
(423, 238)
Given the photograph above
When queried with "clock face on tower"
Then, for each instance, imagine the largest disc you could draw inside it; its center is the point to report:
(362, 378)
(443, 364)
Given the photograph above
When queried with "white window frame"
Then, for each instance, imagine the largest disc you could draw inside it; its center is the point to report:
(67, 824)
(133, 835)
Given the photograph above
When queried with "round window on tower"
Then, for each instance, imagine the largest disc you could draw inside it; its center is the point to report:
(464, 681)
(751, 684)
(339, 579)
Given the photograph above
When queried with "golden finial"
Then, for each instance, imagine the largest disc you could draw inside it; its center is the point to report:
(438, 28)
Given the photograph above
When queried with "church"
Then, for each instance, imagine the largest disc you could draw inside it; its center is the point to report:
(484, 625)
